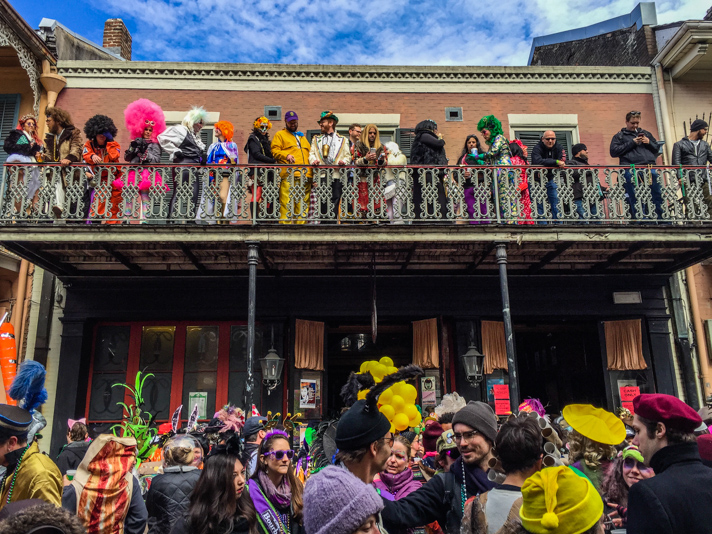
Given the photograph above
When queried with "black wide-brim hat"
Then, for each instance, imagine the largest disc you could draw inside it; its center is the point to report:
(360, 426)
(14, 421)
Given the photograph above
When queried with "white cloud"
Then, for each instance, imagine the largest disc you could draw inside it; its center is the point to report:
(377, 32)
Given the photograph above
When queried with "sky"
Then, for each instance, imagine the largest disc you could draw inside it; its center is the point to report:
(340, 32)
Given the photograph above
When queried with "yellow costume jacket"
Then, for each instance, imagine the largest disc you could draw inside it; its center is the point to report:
(285, 144)
(37, 478)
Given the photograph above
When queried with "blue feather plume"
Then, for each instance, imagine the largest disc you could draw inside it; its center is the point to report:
(28, 387)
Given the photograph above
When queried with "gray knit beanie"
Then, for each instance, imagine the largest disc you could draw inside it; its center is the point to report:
(336, 502)
(480, 416)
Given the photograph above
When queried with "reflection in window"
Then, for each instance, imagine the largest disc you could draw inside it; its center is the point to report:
(201, 365)
(157, 348)
(112, 348)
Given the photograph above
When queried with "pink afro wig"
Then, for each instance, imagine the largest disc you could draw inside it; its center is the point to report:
(142, 110)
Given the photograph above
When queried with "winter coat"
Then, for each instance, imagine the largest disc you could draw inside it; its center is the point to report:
(168, 497)
(241, 526)
(67, 145)
(439, 499)
(182, 145)
(286, 143)
(427, 149)
(588, 175)
(629, 152)
(36, 477)
(71, 455)
(683, 153)
(543, 156)
(286, 513)
(259, 149)
(17, 143)
(678, 499)
(143, 152)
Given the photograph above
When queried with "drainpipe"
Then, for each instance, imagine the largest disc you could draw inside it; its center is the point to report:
(662, 98)
(19, 307)
(702, 353)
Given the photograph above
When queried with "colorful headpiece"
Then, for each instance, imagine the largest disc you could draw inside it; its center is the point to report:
(532, 405)
(632, 452)
(195, 115)
(276, 432)
(260, 122)
(328, 115)
(72, 422)
(227, 129)
(288, 422)
(519, 142)
(491, 123)
(232, 417)
(141, 113)
(21, 125)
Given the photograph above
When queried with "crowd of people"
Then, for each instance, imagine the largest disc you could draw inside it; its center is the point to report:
(463, 470)
(313, 173)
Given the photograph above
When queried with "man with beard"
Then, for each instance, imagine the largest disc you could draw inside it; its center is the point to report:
(330, 148)
(63, 144)
(289, 147)
(443, 497)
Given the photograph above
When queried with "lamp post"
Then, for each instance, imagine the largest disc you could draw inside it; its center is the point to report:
(474, 362)
(271, 367)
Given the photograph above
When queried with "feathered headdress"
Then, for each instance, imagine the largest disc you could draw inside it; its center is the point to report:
(355, 383)
(232, 417)
(232, 446)
(451, 403)
(404, 373)
(141, 113)
(99, 124)
(28, 388)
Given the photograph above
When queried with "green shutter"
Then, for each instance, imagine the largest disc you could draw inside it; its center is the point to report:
(530, 138)
(404, 140)
(9, 110)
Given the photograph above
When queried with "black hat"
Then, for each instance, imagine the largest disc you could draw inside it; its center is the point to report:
(14, 421)
(253, 425)
(698, 124)
(578, 148)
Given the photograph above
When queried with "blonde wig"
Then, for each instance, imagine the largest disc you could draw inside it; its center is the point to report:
(364, 136)
(590, 452)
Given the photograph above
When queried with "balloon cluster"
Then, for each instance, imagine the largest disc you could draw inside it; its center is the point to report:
(397, 402)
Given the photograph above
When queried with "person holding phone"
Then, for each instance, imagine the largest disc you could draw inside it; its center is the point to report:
(369, 155)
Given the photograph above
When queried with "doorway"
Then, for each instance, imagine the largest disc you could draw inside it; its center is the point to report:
(560, 363)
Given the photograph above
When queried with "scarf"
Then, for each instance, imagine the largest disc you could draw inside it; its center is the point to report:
(398, 483)
(280, 496)
(477, 481)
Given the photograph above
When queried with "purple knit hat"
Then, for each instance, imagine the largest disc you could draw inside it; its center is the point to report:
(336, 502)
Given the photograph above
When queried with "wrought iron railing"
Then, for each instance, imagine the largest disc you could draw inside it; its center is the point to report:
(165, 194)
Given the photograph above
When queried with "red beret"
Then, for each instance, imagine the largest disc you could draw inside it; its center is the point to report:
(704, 444)
(667, 409)
(430, 436)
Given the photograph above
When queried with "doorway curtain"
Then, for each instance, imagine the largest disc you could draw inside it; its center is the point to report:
(309, 345)
(494, 346)
(425, 344)
(624, 345)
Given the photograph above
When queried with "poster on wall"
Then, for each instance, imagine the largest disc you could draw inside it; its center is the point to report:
(428, 389)
(307, 393)
(199, 399)
(491, 382)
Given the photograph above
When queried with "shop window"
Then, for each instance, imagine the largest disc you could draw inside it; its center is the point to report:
(201, 368)
(157, 345)
(110, 361)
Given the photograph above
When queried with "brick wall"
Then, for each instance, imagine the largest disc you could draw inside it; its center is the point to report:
(117, 38)
(600, 115)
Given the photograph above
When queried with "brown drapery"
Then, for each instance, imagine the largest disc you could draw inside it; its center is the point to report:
(624, 345)
(309, 345)
(425, 344)
(494, 346)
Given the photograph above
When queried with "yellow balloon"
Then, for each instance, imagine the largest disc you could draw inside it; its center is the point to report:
(416, 420)
(392, 370)
(393, 429)
(386, 361)
(401, 422)
(388, 410)
(386, 396)
(398, 403)
(379, 370)
(377, 379)
(398, 388)
(361, 394)
(364, 367)
(370, 364)
(411, 411)
(409, 393)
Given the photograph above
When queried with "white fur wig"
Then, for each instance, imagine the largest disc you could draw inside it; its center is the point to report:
(196, 114)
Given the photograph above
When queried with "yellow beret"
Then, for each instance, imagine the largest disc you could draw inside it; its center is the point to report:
(594, 423)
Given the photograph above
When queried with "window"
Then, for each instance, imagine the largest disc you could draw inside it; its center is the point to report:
(529, 128)
(111, 354)
(9, 109)
(273, 113)
(531, 138)
(453, 114)
(404, 139)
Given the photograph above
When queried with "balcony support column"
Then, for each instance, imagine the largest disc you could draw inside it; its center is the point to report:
(508, 330)
(253, 259)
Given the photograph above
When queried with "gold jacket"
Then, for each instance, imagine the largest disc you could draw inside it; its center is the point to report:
(37, 478)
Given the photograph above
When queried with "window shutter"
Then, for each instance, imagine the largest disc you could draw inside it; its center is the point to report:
(404, 139)
(312, 133)
(532, 137)
(9, 109)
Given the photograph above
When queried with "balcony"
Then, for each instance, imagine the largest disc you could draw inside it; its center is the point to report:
(166, 220)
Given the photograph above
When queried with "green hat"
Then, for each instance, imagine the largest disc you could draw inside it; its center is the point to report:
(328, 115)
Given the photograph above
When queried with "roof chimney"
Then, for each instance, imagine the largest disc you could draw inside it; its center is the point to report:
(117, 38)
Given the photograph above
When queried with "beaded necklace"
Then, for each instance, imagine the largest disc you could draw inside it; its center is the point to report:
(463, 489)
(14, 476)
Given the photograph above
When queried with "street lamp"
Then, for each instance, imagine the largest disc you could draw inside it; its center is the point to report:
(271, 367)
(474, 362)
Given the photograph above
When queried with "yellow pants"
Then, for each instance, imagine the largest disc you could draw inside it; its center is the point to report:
(294, 210)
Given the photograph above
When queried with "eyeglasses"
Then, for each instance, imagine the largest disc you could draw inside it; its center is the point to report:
(630, 463)
(399, 455)
(278, 455)
(388, 440)
(150, 123)
(466, 436)
(634, 112)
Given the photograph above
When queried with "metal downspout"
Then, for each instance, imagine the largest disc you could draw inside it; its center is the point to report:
(508, 329)
(659, 87)
(701, 341)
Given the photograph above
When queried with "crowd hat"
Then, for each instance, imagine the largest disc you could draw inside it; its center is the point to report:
(632, 452)
(480, 416)
(556, 500)
(291, 116)
(698, 124)
(430, 436)
(704, 444)
(594, 423)
(254, 425)
(666, 409)
(14, 421)
(336, 502)
(578, 148)
(328, 115)
(446, 441)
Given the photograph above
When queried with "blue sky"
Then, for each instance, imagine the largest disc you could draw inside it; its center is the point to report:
(375, 32)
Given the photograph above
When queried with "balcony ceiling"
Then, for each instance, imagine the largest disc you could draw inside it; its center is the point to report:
(190, 250)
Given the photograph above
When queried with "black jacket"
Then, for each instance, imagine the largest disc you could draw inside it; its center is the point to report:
(427, 149)
(17, 143)
(678, 499)
(168, 497)
(241, 526)
(543, 156)
(259, 149)
(683, 153)
(628, 152)
(589, 176)
(71, 455)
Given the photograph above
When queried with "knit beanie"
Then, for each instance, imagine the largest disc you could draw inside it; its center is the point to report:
(556, 500)
(430, 436)
(480, 416)
(336, 502)
(698, 124)
(578, 148)
(360, 426)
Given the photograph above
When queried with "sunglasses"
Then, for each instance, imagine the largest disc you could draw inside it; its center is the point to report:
(550, 139)
(634, 112)
(630, 463)
(278, 455)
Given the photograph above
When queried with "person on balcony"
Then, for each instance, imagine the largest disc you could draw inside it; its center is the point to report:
(63, 145)
(369, 154)
(519, 157)
(184, 147)
(328, 148)
(693, 150)
(24, 146)
(259, 152)
(635, 146)
(145, 122)
(289, 147)
(549, 153)
(428, 149)
(222, 152)
(475, 210)
(105, 181)
(580, 159)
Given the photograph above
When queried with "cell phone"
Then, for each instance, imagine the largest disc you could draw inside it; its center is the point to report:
(373, 151)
